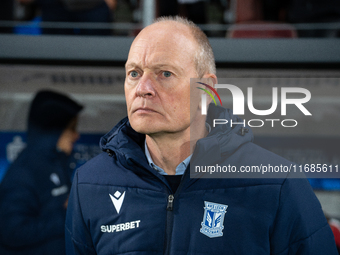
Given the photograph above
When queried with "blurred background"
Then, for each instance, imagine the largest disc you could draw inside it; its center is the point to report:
(80, 47)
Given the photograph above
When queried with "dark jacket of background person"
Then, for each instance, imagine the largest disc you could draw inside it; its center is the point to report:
(57, 11)
(120, 205)
(35, 188)
(306, 11)
(6, 13)
(315, 11)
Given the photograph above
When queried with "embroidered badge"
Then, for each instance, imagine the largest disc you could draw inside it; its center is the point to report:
(212, 224)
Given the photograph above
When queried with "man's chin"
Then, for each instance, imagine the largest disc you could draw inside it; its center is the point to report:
(144, 128)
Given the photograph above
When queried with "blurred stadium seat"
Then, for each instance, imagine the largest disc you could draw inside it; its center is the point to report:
(262, 30)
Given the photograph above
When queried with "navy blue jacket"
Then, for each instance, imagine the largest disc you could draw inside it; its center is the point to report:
(120, 205)
(32, 197)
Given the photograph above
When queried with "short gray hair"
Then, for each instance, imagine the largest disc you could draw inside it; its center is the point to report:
(204, 57)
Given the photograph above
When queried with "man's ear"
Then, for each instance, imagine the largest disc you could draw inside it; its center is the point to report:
(211, 80)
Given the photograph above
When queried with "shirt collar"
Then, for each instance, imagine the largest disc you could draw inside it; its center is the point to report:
(180, 169)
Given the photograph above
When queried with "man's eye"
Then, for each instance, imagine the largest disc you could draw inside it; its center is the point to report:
(134, 74)
(167, 74)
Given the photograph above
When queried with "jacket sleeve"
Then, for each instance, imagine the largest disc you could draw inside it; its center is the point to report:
(300, 226)
(22, 223)
(78, 237)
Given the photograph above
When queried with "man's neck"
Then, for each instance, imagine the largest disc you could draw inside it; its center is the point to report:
(169, 150)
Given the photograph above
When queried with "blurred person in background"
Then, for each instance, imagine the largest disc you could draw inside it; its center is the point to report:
(6, 14)
(34, 192)
(93, 11)
(306, 12)
(194, 10)
(315, 11)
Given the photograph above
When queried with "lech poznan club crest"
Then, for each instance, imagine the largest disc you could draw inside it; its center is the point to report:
(212, 224)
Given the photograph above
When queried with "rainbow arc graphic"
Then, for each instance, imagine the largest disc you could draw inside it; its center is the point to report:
(209, 93)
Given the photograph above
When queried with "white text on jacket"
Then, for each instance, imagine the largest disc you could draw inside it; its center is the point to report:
(120, 227)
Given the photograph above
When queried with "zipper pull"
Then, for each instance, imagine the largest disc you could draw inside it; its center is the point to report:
(170, 202)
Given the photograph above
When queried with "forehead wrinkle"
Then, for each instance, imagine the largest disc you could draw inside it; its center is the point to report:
(152, 47)
(137, 52)
(153, 58)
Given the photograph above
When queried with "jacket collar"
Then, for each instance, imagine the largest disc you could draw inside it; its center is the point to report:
(223, 140)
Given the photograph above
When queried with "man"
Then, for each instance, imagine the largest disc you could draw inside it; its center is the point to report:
(137, 197)
(35, 189)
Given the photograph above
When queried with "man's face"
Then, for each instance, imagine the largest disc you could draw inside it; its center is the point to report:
(68, 137)
(157, 84)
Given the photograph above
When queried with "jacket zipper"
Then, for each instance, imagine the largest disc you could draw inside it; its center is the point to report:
(169, 223)
(170, 215)
(169, 208)
(170, 203)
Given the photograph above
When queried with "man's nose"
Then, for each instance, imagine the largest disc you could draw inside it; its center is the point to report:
(146, 86)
